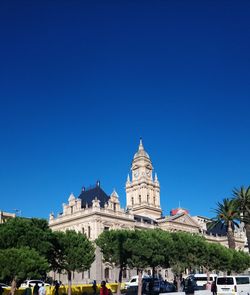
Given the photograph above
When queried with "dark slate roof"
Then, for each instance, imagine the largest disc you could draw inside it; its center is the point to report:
(219, 229)
(88, 195)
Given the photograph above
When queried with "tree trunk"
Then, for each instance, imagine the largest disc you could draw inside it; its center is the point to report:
(139, 282)
(247, 227)
(118, 292)
(178, 282)
(13, 286)
(69, 283)
(230, 237)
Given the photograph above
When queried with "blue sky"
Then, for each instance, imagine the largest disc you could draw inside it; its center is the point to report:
(82, 81)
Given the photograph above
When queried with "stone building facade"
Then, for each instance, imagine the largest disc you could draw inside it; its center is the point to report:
(93, 212)
(4, 216)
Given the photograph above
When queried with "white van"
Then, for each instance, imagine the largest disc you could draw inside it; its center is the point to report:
(134, 281)
(201, 278)
(233, 285)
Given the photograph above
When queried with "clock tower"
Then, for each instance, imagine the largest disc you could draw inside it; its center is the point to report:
(142, 191)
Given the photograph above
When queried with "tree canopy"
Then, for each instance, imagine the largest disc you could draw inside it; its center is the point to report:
(227, 215)
(75, 253)
(33, 233)
(17, 264)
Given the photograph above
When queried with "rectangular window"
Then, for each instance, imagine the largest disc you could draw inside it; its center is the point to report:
(124, 274)
(89, 232)
(225, 281)
(242, 280)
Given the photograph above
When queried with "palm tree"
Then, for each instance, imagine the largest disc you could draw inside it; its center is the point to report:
(226, 215)
(242, 199)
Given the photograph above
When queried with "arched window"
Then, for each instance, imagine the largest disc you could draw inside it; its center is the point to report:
(132, 201)
(139, 199)
(147, 198)
(154, 200)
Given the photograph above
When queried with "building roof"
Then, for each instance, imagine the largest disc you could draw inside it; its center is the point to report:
(178, 211)
(218, 229)
(88, 195)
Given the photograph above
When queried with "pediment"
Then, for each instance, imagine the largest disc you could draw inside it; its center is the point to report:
(184, 219)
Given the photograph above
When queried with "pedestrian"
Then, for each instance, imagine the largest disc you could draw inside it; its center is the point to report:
(28, 290)
(57, 285)
(94, 287)
(208, 286)
(213, 288)
(175, 283)
(42, 290)
(1, 290)
(104, 290)
(36, 289)
(183, 284)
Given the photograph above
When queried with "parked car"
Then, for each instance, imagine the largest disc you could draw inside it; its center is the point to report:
(134, 281)
(32, 283)
(201, 278)
(161, 286)
(152, 286)
(227, 285)
(4, 285)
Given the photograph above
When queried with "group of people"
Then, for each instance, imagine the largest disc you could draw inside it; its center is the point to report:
(37, 290)
(103, 290)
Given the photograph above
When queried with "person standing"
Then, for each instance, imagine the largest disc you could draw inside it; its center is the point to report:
(36, 289)
(94, 287)
(42, 290)
(1, 290)
(57, 286)
(104, 290)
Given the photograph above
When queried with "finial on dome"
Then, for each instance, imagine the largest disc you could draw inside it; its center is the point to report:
(128, 178)
(141, 145)
(156, 177)
(71, 197)
(114, 194)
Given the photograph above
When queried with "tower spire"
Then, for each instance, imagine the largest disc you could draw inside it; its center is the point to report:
(141, 145)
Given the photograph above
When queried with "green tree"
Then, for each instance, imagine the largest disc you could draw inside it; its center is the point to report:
(33, 233)
(149, 248)
(188, 252)
(140, 253)
(242, 199)
(160, 244)
(226, 215)
(19, 264)
(114, 249)
(240, 261)
(75, 253)
(217, 257)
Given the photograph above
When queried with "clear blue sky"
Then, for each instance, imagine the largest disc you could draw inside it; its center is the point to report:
(82, 81)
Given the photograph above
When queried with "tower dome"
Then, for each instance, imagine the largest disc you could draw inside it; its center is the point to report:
(141, 152)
